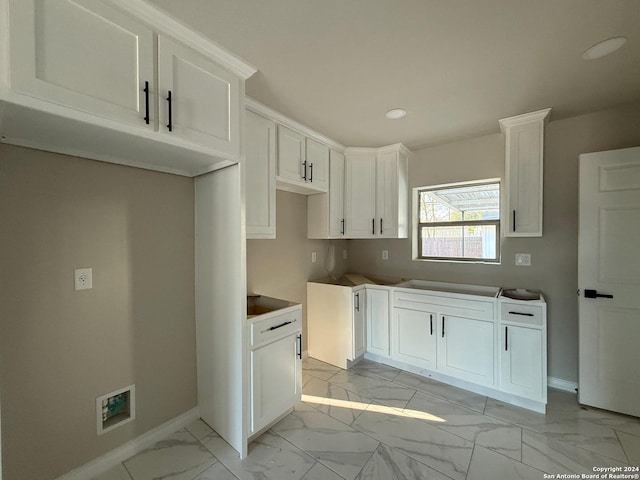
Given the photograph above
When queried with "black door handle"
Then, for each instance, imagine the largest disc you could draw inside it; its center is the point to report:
(170, 101)
(146, 102)
(594, 294)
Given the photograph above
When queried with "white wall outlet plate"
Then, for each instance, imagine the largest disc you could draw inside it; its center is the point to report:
(344, 254)
(523, 259)
(83, 278)
(314, 257)
(385, 254)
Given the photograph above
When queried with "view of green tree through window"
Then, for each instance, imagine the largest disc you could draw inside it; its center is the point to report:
(459, 222)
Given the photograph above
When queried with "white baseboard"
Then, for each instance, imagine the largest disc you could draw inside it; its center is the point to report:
(560, 384)
(117, 455)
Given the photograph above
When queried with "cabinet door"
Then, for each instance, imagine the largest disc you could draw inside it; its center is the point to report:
(521, 364)
(260, 175)
(336, 194)
(414, 337)
(317, 157)
(275, 381)
(377, 321)
(387, 195)
(360, 196)
(466, 349)
(359, 324)
(85, 55)
(291, 154)
(205, 98)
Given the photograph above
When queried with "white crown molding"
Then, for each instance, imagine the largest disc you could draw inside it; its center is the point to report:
(117, 455)
(524, 118)
(261, 109)
(163, 23)
(396, 147)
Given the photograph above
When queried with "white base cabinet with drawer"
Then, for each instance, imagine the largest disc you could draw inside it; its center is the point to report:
(275, 367)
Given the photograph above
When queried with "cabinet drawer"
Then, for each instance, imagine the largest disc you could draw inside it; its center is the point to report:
(275, 327)
(459, 307)
(521, 313)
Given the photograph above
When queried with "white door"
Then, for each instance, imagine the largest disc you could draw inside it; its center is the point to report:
(521, 363)
(336, 194)
(414, 337)
(359, 324)
(609, 264)
(360, 196)
(378, 321)
(260, 176)
(85, 55)
(466, 348)
(199, 100)
(317, 165)
(274, 381)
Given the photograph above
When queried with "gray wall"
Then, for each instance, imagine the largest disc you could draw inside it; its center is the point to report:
(281, 267)
(60, 349)
(554, 256)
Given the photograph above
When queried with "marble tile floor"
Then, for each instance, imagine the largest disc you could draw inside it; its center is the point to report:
(375, 422)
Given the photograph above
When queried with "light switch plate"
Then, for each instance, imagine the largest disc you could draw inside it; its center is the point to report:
(314, 257)
(385, 254)
(523, 259)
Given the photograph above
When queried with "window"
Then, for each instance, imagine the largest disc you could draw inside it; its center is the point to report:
(459, 222)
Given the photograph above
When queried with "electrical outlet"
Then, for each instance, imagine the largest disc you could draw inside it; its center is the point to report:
(83, 278)
(385, 254)
(314, 257)
(523, 259)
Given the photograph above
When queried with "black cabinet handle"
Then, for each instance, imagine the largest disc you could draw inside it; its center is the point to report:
(443, 326)
(311, 172)
(520, 313)
(380, 225)
(514, 220)
(304, 169)
(431, 323)
(373, 226)
(146, 102)
(299, 352)
(342, 226)
(594, 294)
(506, 339)
(280, 325)
(357, 302)
(170, 125)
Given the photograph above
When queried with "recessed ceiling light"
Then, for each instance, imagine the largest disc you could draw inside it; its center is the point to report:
(604, 48)
(395, 113)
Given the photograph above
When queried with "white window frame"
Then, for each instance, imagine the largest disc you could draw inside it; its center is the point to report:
(415, 238)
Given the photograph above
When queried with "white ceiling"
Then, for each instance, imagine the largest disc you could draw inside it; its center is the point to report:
(457, 66)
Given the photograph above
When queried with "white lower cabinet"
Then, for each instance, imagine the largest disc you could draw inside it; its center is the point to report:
(414, 337)
(275, 380)
(377, 313)
(466, 349)
(521, 361)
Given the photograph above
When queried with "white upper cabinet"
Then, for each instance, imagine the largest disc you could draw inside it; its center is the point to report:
(85, 55)
(199, 100)
(376, 195)
(325, 211)
(303, 163)
(524, 150)
(91, 78)
(260, 175)
(360, 194)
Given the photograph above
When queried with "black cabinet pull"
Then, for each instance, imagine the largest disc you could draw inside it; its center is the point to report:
(311, 172)
(146, 102)
(443, 326)
(594, 294)
(170, 124)
(357, 302)
(373, 226)
(431, 323)
(514, 220)
(304, 169)
(342, 226)
(299, 352)
(506, 339)
(280, 325)
(380, 225)
(520, 313)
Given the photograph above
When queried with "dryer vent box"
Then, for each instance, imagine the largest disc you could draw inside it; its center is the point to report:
(115, 409)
